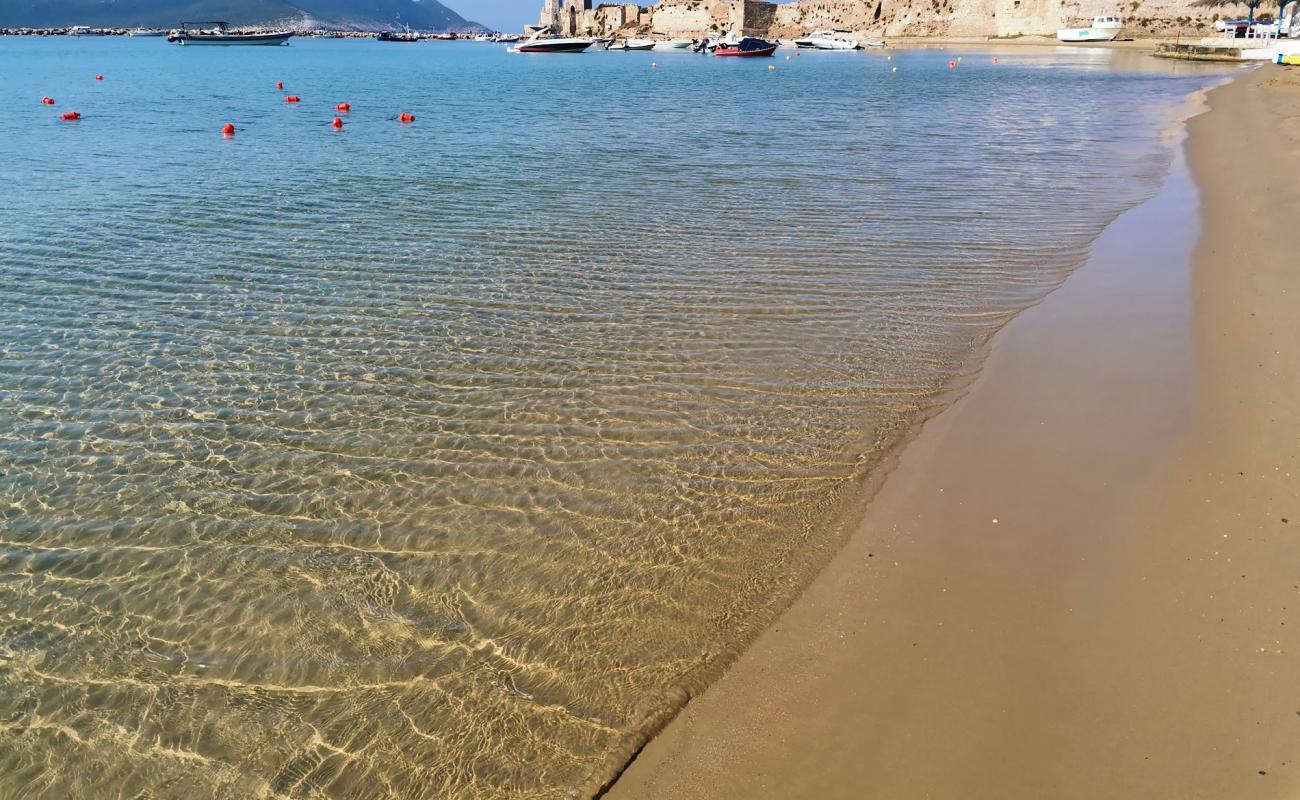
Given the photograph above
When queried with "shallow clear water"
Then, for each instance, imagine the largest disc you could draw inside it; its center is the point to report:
(439, 459)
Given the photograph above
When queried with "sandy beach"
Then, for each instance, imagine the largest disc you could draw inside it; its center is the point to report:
(1080, 580)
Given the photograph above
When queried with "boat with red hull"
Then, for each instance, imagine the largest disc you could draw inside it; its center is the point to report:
(748, 47)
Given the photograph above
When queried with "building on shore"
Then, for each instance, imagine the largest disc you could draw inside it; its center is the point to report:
(870, 18)
(564, 17)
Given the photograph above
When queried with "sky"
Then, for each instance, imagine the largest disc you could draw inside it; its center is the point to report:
(501, 15)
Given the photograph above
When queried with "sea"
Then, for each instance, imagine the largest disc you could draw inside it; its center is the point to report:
(450, 458)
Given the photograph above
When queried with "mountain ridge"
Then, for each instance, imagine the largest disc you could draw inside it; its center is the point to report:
(345, 15)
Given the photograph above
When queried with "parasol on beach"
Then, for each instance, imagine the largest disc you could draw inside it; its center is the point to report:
(1250, 4)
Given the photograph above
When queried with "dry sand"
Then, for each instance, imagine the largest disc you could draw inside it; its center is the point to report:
(1080, 581)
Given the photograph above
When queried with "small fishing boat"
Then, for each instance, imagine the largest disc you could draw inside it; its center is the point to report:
(633, 44)
(82, 30)
(145, 32)
(448, 36)
(1104, 29)
(220, 34)
(407, 35)
(543, 42)
(748, 47)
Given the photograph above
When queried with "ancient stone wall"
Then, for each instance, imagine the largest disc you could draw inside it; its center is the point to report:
(976, 18)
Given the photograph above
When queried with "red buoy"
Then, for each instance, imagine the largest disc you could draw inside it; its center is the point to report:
(228, 129)
(49, 101)
(279, 84)
(99, 77)
(406, 118)
(70, 115)
(952, 65)
(336, 124)
(344, 107)
(293, 98)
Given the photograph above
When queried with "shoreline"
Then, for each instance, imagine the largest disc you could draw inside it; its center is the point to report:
(1040, 628)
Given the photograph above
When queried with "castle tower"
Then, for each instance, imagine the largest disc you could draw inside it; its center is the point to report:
(564, 16)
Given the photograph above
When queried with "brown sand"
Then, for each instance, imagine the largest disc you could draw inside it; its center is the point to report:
(1080, 581)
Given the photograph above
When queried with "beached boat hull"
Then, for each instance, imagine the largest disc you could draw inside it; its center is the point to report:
(225, 39)
(1104, 29)
(1087, 34)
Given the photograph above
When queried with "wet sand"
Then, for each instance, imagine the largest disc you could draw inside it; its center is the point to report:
(1081, 579)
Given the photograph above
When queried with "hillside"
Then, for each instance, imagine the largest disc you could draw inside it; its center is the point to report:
(428, 15)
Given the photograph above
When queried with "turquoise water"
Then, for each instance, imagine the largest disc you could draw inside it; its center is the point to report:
(443, 459)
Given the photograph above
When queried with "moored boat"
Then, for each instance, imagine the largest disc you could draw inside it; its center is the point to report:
(828, 40)
(748, 47)
(399, 36)
(543, 42)
(673, 44)
(633, 44)
(82, 30)
(220, 34)
(145, 32)
(1104, 29)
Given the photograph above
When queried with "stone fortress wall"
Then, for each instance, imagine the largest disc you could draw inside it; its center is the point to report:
(881, 18)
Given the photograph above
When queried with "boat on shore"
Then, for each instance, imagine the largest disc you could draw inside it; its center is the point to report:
(1104, 29)
(748, 47)
(544, 42)
(220, 34)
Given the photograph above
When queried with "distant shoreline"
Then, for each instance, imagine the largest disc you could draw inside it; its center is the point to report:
(320, 33)
(1148, 43)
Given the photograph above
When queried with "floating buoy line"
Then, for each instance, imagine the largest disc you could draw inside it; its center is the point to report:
(228, 129)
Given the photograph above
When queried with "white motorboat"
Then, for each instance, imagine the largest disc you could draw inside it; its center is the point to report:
(828, 40)
(544, 42)
(145, 32)
(673, 44)
(709, 45)
(633, 44)
(1104, 29)
(82, 30)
